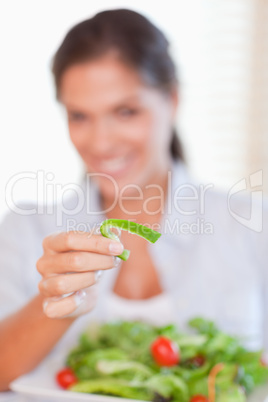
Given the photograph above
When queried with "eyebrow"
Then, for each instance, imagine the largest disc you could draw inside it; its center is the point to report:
(120, 103)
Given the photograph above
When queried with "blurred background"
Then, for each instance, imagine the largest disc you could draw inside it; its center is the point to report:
(221, 50)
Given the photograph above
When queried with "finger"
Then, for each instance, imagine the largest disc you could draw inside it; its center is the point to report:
(61, 307)
(73, 261)
(62, 284)
(82, 241)
(78, 303)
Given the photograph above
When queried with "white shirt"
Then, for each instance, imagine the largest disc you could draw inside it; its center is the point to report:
(219, 273)
(157, 310)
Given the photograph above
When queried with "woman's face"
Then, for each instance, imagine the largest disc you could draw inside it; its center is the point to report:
(120, 127)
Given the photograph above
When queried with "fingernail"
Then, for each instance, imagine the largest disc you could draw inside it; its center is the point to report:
(98, 274)
(117, 262)
(79, 297)
(116, 248)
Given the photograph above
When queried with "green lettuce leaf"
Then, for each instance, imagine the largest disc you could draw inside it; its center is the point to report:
(169, 386)
(113, 387)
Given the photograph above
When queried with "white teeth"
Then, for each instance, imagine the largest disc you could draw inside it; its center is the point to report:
(112, 165)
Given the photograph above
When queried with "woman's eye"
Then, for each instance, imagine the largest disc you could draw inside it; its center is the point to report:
(126, 112)
(76, 116)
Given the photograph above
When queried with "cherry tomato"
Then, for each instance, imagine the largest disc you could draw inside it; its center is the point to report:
(165, 352)
(66, 377)
(199, 398)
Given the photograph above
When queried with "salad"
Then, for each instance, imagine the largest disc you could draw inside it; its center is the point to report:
(139, 361)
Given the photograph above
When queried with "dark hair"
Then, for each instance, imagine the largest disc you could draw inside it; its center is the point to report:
(138, 42)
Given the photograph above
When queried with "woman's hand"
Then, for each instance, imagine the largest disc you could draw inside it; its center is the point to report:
(69, 266)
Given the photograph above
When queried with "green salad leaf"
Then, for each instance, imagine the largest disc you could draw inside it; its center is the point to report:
(113, 387)
(115, 359)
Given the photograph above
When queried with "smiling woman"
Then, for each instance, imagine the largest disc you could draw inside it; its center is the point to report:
(119, 86)
(116, 122)
(115, 78)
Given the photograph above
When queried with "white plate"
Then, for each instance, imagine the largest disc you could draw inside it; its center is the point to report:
(39, 385)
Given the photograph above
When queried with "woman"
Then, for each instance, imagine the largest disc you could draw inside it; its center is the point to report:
(118, 84)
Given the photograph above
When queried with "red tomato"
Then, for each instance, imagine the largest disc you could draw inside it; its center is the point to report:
(66, 377)
(165, 352)
(199, 398)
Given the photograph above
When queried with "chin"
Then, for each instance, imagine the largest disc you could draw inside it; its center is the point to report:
(110, 189)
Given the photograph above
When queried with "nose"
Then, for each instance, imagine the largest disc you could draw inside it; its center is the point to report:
(102, 138)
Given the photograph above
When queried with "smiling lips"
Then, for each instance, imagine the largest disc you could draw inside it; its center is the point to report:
(113, 166)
